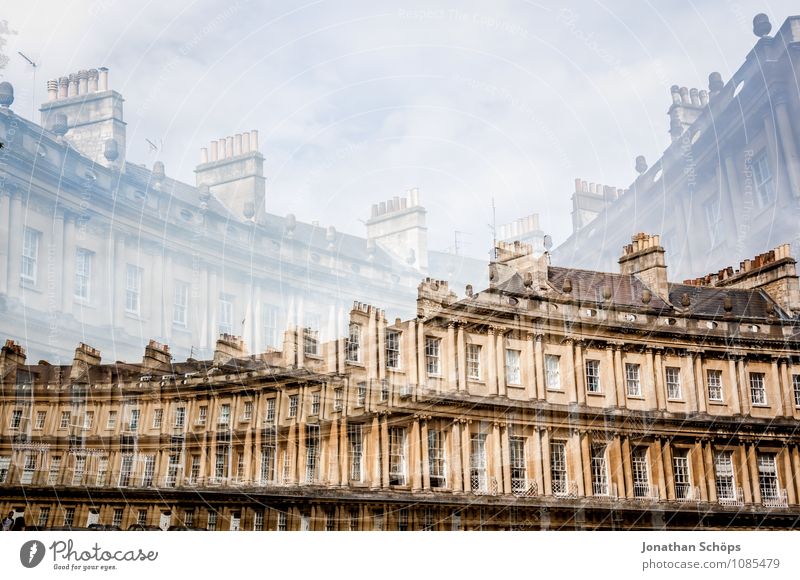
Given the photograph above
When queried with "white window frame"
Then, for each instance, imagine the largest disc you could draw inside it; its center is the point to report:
(83, 274)
(269, 326)
(158, 418)
(65, 419)
(558, 467)
(315, 403)
(640, 472)
(41, 418)
(796, 389)
(714, 384)
(473, 356)
(682, 474)
(398, 437)
(768, 482)
(269, 417)
(29, 270)
(633, 380)
(763, 181)
(310, 342)
(518, 464)
(225, 312)
(758, 389)
(54, 470)
(552, 365)
(133, 289)
(224, 417)
(513, 371)
(180, 417)
(592, 376)
(392, 344)
(111, 422)
(477, 463)
(180, 304)
(361, 394)
(433, 356)
(294, 405)
(600, 485)
(353, 343)
(5, 467)
(437, 458)
(338, 398)
(725, 475)
(672, 376)
(355, 447)
(313, 443)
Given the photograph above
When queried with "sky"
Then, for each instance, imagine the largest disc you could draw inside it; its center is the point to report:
(477, 104)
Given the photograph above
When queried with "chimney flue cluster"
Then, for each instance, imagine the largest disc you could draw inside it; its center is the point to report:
(230, 146)
(608, 192)
(396, 204)
(83, 82)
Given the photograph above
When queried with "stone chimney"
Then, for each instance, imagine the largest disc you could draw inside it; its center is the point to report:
(233, 169)
(157, 357)
(12, 356)
(228, 347)
(687, 106)
(85, 358)
(644, 258)
(774, 272)
(398, 226)
(589, 200)
(93, 115)
(517, 258)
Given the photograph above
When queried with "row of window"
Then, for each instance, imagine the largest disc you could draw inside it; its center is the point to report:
(725, 477)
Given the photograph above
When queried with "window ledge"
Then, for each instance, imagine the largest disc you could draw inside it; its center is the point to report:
(675, 401)
(760, 405)
(355, 363)
(717, 403)
(474, 380)
(552, 390)
(595, 394)
(635, 397)
(515, 386)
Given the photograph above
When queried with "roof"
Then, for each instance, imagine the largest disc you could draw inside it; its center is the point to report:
(627, 290)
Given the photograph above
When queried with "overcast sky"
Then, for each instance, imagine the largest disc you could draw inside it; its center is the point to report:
(357, 102)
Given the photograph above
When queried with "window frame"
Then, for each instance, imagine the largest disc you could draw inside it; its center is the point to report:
(633, 379)
(552, 371)
(675, 385)
(715, 384)
(433, 356)
(473, 354)
(592, 375)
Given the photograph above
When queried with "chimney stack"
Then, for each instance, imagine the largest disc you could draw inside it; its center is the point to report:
(85, 358)
(157, 357)
(644, 258)
(228, 347)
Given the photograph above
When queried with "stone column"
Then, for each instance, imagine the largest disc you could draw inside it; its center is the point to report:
(426, 471)
(5, 241)
(495, 467)
(505, 454)
(414, 456)
(586, 460)
(615, 462)
(786, 135)
(344, 454)
(15, 238)
(742, 473)
(385, 452)
(619, 378)
(450, 356)
(669, 474)
(794, 475)
(574, 452)
(657, 467)
(462, 360)
(411, 347)
(751, 462)
(610, 387)
(735, 401)
(538, 352)
(500, 361)
(422, 377)
(570, 387)
(708, 466)
(334, 454)
(546, 469)
(375, 454)
(787, 479)
(465, 455)
(527, 367)
(457, 479)
(699, 383)
(740, 383)
(650, 387)
(300, 462)
(491, 362)
(626, 467)
(776, 379)
(580, 372)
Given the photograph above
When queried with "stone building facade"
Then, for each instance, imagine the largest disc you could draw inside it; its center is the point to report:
(727, 185)
(120, 253)
(555, 398)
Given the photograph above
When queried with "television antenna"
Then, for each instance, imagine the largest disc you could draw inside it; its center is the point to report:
(33, 93)
(153, 146)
